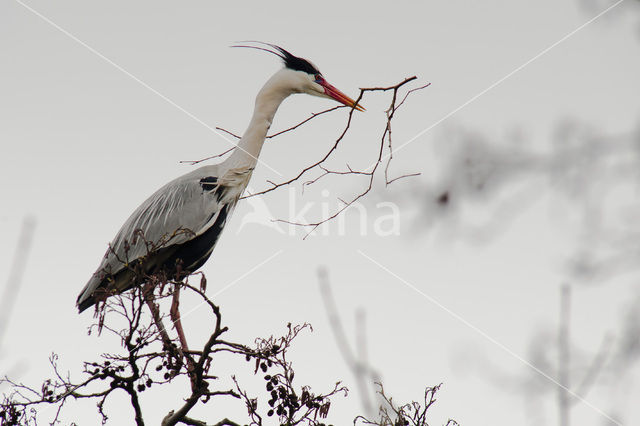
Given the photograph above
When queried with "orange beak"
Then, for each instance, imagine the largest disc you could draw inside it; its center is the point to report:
(334, 93)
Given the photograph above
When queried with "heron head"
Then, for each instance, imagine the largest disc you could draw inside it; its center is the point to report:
(302, 76)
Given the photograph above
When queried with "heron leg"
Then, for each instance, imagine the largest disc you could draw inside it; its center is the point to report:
(177, 323)
(147, 292)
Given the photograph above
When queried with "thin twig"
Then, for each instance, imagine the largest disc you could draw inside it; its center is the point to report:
(385, 141)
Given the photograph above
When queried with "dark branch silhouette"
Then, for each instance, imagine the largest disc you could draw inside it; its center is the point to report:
(410, 414)
(155, 351)
(153, 355)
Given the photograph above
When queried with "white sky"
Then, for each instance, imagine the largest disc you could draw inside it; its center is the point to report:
(83, 144)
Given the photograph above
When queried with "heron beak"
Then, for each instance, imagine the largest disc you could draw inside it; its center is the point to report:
(334, 93)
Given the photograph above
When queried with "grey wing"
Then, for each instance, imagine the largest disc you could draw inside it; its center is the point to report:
(176, 213)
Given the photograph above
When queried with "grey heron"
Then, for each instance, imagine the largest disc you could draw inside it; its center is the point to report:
(175, 230)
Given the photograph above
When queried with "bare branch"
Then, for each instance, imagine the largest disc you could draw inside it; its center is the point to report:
(564, 356)
(385, 140)
(320, 164)
(313, 115)
(15, 274)
(361, 370)
(222, 154)
(413, 413)
(155, 355)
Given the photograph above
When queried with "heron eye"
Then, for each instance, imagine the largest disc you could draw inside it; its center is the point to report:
(319, 78)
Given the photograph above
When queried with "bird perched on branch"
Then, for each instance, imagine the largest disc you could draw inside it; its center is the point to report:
(175, 230)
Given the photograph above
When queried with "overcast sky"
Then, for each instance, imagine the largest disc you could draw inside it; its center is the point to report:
(84, 143)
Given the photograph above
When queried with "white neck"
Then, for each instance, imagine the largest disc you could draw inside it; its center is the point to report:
(245, 156)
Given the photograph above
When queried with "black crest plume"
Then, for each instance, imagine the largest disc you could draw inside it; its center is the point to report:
(290, 61)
